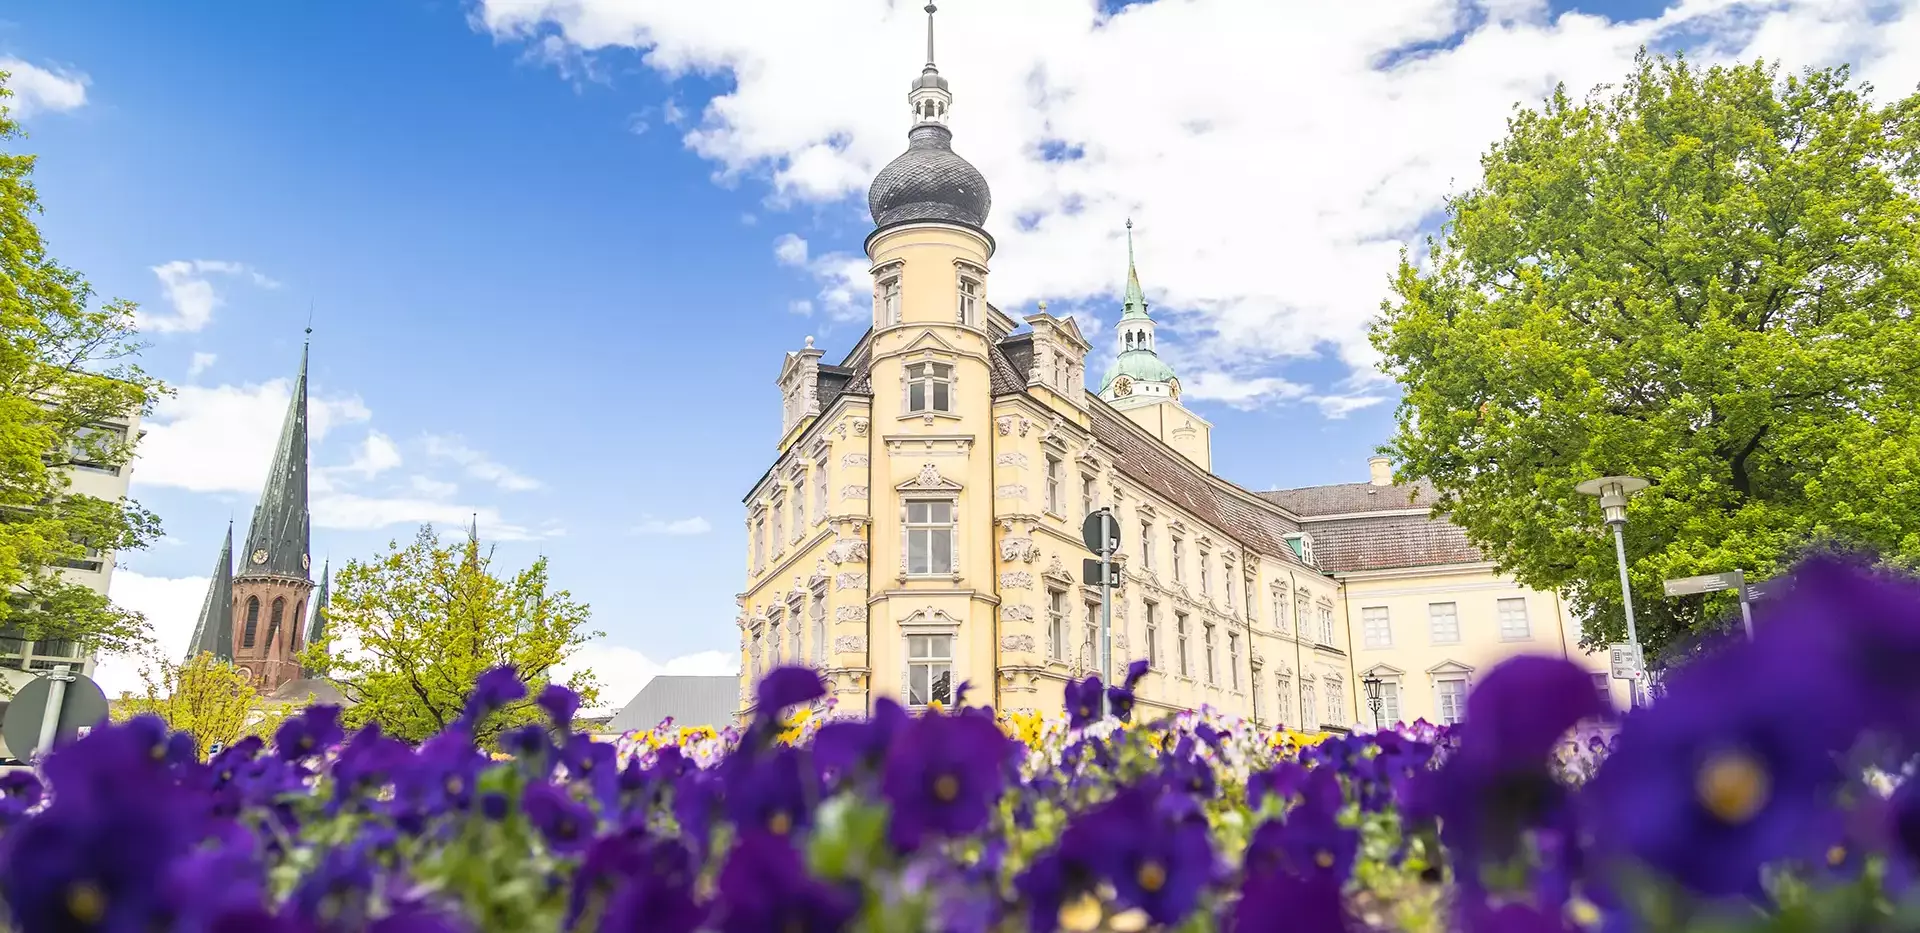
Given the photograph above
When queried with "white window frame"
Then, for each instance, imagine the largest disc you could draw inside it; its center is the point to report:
(1179, 562)
(1282, 699)
(1603, 686)
(1213, 670)
(1376, 626)
(929, 376)
(1309, 706)
(1056, 474)
(1280, 611)
(1146, 545)
(1089, 494)
(822, 490)
(775, 615)
(779, 512)
(1441, 714)
(931, 528)
(1258, 713)
(967, 304)
(1302, 605)
(1448, 634)
(1390, 714)
(1326, 625)
(1233, 660)
(799, 504)
(1154, 661)
(889, 300)
(755, 651)
(1336, 700)
(1056, 625)
(1180, 633)
(1226, 587)
(818, 616)
(1206, 572)
(796, 614)
(931, 660)
(1091, 643)
(1508, 631)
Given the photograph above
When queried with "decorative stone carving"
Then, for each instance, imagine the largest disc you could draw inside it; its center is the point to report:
(853, 460)
(850, 581)
(1016, 613)
(850, 644)
(853, 492)
(929, 475)
(1008, 424)
(1017, 643)
(859, 427)
(1017, 580)
(850, 614)
(1020, 549)
(847, 549)
(1011, 458)
(1010, 491)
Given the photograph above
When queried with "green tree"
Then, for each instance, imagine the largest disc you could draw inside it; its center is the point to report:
(408, 632)
(65, 380)
(206, 697)
(1706, 278)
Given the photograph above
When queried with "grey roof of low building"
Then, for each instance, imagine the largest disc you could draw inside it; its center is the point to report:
(1341, 498)
(690, 700)
(322, 690)
(1358, 540)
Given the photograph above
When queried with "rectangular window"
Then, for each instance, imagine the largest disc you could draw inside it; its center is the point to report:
(799, 506)
(929, 670)
(929, 387)
(1206, 574)
(774, 617)
(1376, 628)
(1389, 702)
(779, 523)
(1179, 559)
(1336, 702)
(1088, 499)
(1054, 468)
(1090, 642)
(969, 300)
(1153, 636)
(1326, 625)
(759, 544)
(1514, 625)
(1212, 674)
(1226, 582)
(1283, 700)
(820, 490)
(1309, 706)
(930, 536)
(1603, 688)
(1450, 700)
(1443, 622)
(1056, 625)
(1146, 545)
(90, 559)
(798, 631)
(1301, 607)
(1180, 637)
(1258, 714)
(1280, 611)
(1233, 660)
(819, 612)
(100, 437)
(890, 301)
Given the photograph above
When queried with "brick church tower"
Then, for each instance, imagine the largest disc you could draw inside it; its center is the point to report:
(275, 572)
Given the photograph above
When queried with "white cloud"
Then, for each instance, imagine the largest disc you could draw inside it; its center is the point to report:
(187, 285)
(678, 527)
(377, 455)
(201, 363)
(221, 438)
(1244, 392)
(478, 465)
(434, 488)
(1336, 407)
(1275, 156)
(36, 89)
(172, 607)
(790, 250)
(622, 671)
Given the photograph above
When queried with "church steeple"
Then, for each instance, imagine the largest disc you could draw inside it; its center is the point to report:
(930, 96)
(279, 538)
(1138, 373)
(214, 632)
(317, 622)
(1135, 303)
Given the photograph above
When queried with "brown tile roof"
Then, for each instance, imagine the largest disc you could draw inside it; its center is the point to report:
(1389, 542)
(1351, 497)
(1010, 361)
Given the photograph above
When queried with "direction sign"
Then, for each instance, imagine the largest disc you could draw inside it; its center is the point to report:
(1706, 583)
(1092, 533)
(1625, 665)
(84, 705)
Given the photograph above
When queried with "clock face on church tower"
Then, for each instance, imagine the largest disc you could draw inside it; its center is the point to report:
(260, 556)
(306, 562)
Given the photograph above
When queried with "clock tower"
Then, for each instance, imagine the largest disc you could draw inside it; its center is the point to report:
(275, 566)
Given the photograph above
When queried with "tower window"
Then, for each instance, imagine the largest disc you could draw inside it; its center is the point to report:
(253, 622)
(930, 536)
(929, 387)
(299, 617)
(1129, 340)
(969, 299)
(890, 300)
(279, 615)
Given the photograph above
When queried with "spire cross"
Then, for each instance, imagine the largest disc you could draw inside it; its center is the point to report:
(930, 11)
(1129, 242)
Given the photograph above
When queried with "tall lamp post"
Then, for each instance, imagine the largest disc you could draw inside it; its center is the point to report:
(1372, 684)
(1613, 492)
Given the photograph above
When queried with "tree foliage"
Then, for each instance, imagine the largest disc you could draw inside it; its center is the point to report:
(1704, 277)
(409, 632)
(63, 372)
(210, 698)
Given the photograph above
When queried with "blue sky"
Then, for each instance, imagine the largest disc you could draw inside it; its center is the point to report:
(547, 243)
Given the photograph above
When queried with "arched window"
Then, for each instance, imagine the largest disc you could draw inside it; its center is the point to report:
(299, 616)
(253, 622)
(279, 614)
(1129, 340)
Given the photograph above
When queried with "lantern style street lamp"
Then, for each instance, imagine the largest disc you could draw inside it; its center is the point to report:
(1613, 492)
(1373, 685)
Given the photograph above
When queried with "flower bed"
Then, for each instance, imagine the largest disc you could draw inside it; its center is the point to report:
(1734, 803)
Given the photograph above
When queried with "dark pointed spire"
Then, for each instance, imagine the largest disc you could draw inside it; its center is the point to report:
(281, 532)
(317, 617)
(931, 9)
(214, 632)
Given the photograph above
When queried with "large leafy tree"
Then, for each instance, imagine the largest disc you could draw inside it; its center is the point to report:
(408, 633)
(206, 697)
(1707, 278)
(64, 373)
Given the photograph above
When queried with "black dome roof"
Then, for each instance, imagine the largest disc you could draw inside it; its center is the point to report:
(929, 182)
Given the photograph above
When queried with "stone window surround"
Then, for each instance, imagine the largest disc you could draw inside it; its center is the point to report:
(930, 622)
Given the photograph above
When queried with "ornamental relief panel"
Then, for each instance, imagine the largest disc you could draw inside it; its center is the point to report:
(1018, 549)
(851, 644)
(853, 460)
(1008, 424)
(1011, 458)
(853, 492)
(1010, 491)
(847, 549)
(1017, 580)
(1017, 643)
(850, 614)
(850, 581)
(1016, 613)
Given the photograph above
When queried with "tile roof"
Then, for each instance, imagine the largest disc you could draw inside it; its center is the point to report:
(1382, 542)
(322, 690)
(1340, 498)
(1010, 361)
(689, 700)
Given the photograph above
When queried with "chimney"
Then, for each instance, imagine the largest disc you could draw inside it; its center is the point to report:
(1379, 471)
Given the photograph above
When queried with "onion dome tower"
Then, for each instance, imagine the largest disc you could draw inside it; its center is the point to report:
(929, 181)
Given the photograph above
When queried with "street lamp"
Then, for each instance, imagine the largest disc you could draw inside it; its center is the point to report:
(1372, 684)
(1613, 492)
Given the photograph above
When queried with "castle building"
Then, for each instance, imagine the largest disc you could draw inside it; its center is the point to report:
(919, 527)
(256, 612)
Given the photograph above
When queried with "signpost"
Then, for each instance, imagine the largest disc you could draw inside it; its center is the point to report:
(50, 709)
(1713, 583)
(1626, 663)
(1102, 536)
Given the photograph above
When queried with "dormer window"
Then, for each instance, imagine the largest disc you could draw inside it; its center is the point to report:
(929, 387)
(890, 300)
(969, 300)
